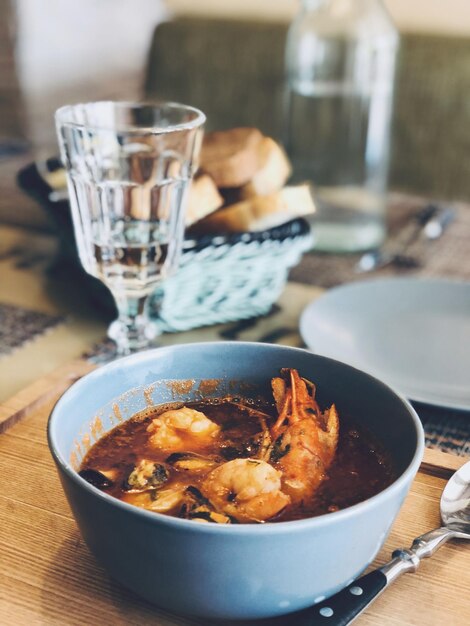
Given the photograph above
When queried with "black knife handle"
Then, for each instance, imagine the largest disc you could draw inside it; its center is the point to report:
(345, 606)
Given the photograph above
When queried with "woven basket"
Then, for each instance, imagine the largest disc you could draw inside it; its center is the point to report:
(220, 279)
(223, 279)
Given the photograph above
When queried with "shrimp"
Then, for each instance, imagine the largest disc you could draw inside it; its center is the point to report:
(245, 489)
(177, 429)
(305, 439)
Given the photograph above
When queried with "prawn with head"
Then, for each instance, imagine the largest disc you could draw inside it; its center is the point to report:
(301, 444)
(304, 438)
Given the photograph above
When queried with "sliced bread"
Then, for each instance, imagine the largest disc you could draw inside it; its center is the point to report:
(203, 199)
(231, 157)
(273, 171)
(260, 212)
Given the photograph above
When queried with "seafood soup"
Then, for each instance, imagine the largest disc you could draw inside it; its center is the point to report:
(230, 460)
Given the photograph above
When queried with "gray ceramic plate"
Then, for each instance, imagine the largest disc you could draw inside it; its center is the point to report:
(413, 334)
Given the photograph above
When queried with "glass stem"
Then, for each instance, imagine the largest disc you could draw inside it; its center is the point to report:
(133, 329)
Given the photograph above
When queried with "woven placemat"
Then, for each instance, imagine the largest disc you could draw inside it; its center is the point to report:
(447, 257)
(445, 429)
(19, 325)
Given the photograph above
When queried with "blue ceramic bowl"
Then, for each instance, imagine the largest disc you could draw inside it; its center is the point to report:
(241, 571)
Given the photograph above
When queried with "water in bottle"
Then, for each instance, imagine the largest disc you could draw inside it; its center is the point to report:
(340, 61)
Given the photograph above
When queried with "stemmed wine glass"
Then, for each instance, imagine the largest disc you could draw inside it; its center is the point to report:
(128, 169)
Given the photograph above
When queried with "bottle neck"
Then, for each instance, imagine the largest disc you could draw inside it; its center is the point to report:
(313, 4)
(316, 4)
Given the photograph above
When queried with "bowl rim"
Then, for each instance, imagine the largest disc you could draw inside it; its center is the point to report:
(318, 521)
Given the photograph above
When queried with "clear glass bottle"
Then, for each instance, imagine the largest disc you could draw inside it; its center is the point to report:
(340, 66)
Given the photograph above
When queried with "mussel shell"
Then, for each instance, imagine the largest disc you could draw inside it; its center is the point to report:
(190, 461)
(230, 452)
(196, 494)
(241, 450)
(203, 513)
(96, 478)
(199, 509)
(183, 456)
(158, 478)
(211, 517)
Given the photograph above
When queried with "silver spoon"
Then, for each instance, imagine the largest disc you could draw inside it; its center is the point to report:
(347, 604)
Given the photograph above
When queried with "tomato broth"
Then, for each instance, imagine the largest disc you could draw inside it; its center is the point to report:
(360, 469)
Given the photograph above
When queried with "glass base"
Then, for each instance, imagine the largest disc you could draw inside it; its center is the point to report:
(348, 237)
(348, 219)
(140, 336)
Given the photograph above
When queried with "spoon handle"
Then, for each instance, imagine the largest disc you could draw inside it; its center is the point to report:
(347, 604)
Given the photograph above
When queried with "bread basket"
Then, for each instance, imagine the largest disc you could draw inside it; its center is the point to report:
(220, 279)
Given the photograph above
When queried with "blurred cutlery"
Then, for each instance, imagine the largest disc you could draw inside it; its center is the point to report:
(430, 222)
(436, 226)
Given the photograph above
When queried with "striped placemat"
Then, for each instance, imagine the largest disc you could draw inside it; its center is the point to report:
(445, 429)
(19, 325)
